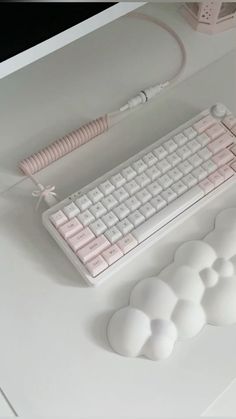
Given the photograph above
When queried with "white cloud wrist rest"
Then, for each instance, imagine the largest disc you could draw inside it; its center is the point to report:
(199, 287)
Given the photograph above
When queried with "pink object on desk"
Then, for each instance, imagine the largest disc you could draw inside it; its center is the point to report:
(210, 16)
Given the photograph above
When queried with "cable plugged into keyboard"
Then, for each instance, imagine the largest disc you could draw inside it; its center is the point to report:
(110, 221)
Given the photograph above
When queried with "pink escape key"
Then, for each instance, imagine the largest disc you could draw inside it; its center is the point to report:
(127, 243)
(96, 265)
(112, 254)
(215, 131)
(58, 218)
(69, 229)
(81, 239)
(94, 248)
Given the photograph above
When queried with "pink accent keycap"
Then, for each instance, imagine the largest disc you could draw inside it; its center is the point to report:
(215, 131)
(96, 265)
(233, 165)
(112, 254)
(223, 157)
(206, 185)
(81, 239)
(229, 121)
(127, 243)
(220, 143)
(216, 178)
(94, 248)
(226, 172)
(69, 229)
(58, 218)
(204, 123)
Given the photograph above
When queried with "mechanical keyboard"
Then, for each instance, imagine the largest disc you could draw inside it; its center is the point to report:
(108, 222)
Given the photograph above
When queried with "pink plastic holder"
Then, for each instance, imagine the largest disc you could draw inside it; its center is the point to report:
(210, 16)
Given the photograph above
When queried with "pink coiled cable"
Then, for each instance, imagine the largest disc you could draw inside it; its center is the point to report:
(63, 146)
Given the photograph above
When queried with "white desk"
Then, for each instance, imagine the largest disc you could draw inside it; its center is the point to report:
(54, 359)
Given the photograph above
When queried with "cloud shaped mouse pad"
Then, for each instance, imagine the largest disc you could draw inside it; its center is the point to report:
(199, 287)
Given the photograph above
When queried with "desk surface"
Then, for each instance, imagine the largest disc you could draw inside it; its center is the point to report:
(54, 358)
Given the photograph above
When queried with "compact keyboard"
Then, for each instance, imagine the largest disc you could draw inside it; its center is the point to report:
(103, 225)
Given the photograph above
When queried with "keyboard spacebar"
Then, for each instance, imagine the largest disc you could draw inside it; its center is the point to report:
(175, 208)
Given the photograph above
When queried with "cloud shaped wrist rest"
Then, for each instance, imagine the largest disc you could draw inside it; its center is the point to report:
(199, 287)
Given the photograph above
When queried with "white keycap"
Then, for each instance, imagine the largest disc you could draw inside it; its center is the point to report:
(155, 188)
(132, 187)
(189, 180)
(95, 195)
(169, 195)
(165, 181)
(199, 173)
(86, 217)
(147, 210)
(58, 218)
(149, 159)
(173, 159)
(153, 172)
(209, 166)
(118, 180)
(143, 196)
(158, 202)
(195, 160)
(71, 210)
(132, 203)
(160, 152)
(136, 218)
(98, 227)
(175, 174)
(163, 165)
(203, 139)
(113, 234)
(205, 153)
(190, 133)
(109, 202)
(121, 194)
(83, 202)
(98, 210)
(183, 152)
(121, 211)
(180, 139)
(129, 173)
(170, 145)
(142, 180)
(110, 219)
(125, 226)
(106, 187)
(179, 187)
(194, 146)
(139, 166)
(185, 167)
(162, 217)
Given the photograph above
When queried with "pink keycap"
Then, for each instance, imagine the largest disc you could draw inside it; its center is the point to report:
(223, 157)
(96, 265)
(93, 249)
(234, 130)
(112, 254)
(58, 218)
(204, 123)
(69, 229)
(206, 185)
(220, 143)
(127, 243)
(216, 178)
(229, 121)
(81, 239)
(226, 172)
(215, 131)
